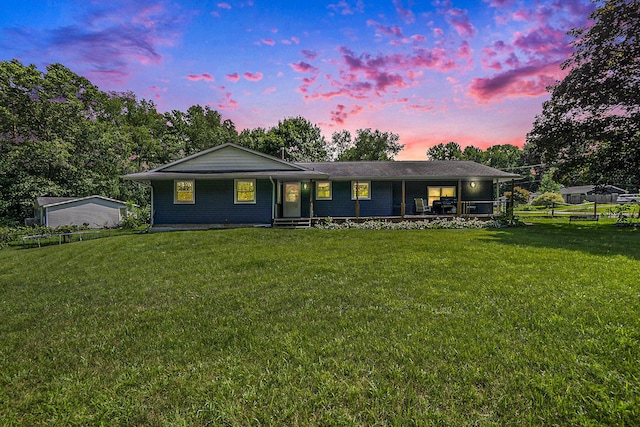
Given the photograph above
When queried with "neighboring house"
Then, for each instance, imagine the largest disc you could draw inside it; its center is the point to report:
(578, 194)
(91, 211)
(231, 185)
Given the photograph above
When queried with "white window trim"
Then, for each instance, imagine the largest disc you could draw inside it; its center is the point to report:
(353, 192)
(235, 192)
(175, 192)
(330, 190)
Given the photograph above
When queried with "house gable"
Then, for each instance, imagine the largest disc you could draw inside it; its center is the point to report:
(229, 158)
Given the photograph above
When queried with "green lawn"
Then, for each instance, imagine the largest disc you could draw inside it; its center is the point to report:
(536, 325)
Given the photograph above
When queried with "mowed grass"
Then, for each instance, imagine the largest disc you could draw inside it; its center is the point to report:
(537, 325)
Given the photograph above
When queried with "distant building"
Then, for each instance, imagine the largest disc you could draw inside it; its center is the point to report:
(91, 211)
(604, 194)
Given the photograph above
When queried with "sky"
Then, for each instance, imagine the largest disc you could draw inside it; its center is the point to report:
(434, 71)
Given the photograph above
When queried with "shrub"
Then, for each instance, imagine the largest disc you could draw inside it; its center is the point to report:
(547, 199)
(520, 195)
(136, 216)
(329, 224)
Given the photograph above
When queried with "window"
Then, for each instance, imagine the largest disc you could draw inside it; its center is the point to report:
(245, 191)
(323, 190)
(436, 193)
(361, 189)
(184, 192)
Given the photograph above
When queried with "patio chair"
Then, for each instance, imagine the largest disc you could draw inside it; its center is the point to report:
(421, 208)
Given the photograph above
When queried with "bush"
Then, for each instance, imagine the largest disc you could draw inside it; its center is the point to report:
(136, 216)
(547, 199)
(329, 224)
(520, 195)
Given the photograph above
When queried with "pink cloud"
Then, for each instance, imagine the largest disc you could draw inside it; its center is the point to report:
(269, 90)
(531, 80)
(269, 42)
(344, 8)
(303, 67)
(543, 40)
(228, 103)
(103, 46)
(362, 76)
(393, 31)
(459, 20)
(204, 76)
(500, 3)
(405, 14)
(253, 77)
(418, 38)
(295, 40)
(340, 114)
(287, 42)
(465, 51)
(224, 6)
(309, 55)
(233, 77)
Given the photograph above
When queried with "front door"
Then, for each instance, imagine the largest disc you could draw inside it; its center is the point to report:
(291, 205)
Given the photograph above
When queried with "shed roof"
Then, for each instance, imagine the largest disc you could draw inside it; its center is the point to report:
(590, 189)
(46, 202)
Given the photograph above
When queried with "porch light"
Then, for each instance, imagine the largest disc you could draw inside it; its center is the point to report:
(472, 184)
(305, 185)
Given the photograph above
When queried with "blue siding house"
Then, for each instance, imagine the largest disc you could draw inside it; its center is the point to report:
(229, 185)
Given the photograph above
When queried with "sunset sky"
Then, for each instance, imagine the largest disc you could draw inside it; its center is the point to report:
(473, 72)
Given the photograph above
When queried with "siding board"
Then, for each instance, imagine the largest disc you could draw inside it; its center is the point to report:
(230, 159)
(96, 213)
(214, 204)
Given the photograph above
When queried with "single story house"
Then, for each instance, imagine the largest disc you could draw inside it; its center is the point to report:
(91, 211)
(578, 194)
(229, 185)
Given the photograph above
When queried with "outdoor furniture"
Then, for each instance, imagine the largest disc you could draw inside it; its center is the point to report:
(445, 206)
(421, 208)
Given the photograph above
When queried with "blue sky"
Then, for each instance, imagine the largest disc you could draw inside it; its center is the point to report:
(473, 72)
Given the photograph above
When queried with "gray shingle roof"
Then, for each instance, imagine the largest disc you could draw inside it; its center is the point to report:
(46, 201)
(431, 169)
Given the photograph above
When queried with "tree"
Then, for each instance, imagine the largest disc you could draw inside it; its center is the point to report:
(590, 128)
(505, 156)
(370, 145)
(340, 142)
(520, 195)
(301, 140)
(474, 154)
(547, 184)
(449, 151)
(547, 199)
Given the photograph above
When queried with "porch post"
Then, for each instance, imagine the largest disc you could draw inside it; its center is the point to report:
(357, 199)
(459, 204)
(310, 198)
(402, 205)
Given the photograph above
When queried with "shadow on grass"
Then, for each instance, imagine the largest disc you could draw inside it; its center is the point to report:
(595, 239)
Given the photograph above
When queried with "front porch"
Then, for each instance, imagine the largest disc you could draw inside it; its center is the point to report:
(306, 222)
